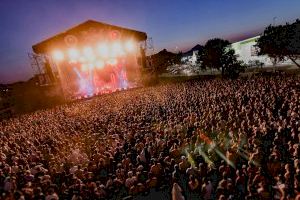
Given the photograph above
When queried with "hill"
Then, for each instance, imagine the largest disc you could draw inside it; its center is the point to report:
(198, 47)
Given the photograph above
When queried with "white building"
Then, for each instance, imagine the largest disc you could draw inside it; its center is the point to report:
(247, 52)
(190, 58)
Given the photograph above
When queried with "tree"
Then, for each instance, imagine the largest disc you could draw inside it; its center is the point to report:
(217, 54)
(164, 59)
(231, 67)
(158, 64)
(293, 49)
(281, 42)
(256, 63)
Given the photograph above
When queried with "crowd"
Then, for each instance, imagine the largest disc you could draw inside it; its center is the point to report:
(201, 139)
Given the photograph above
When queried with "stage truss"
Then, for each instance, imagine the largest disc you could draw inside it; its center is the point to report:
(44, 69)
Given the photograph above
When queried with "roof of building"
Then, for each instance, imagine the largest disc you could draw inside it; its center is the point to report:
(245, 41)
(87, 32)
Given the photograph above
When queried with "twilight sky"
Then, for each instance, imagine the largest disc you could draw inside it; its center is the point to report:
(171, 23)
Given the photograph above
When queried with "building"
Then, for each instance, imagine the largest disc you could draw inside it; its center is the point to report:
(190, 57)
(248, 53)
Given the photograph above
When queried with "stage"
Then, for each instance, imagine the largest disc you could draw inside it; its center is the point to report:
(92, 58)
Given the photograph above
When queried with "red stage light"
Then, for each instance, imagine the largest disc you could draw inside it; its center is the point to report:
(115, 35)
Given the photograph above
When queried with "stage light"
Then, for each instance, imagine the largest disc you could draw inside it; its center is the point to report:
(115, 34)
(73, 62)
(130, 46)
(103, 50)
(84, 67)
(58, 55)
(88, 53)
(73, 54)
(116, 49)
(82, 59)
(112, 61)
(99, 64)
(91, 66)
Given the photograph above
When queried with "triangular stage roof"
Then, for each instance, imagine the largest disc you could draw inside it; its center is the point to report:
(87, 33)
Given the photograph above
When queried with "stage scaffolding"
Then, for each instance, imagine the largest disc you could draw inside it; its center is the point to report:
(44, 69)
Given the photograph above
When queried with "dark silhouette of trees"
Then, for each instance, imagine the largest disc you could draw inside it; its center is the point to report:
(158, 64)
(163, 59)
(281, 42)
(217, 54)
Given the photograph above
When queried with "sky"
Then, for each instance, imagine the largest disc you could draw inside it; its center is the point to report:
(172, 24)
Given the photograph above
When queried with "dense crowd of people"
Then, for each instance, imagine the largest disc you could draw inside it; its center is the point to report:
(201, 139)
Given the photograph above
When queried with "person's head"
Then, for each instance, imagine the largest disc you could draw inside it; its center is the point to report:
(50, 191)
(38, 190)
(175, 180)
(225, 176)
(130, 174)
(205, 180)
(192, 178)
(176, 167)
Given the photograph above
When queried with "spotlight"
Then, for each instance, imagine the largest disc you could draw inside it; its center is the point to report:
(91, 66)
(99, 64)
(73, 54)
(88, 53)
(84, 67)
(130, 46)
(103, 50)
(117, 49)
(58, 55)
(112, 62)
(82, 59)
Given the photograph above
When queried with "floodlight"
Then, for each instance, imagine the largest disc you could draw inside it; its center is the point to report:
(73, 54)
(58, 55)
(112, 61)
(88, 53)
(99, 64)
(116, 49)
(130, 46)
(103, 50)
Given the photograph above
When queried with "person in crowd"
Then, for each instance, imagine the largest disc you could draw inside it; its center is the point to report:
(177, 192)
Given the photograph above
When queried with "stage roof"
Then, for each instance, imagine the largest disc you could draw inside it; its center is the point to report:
(86, 33)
